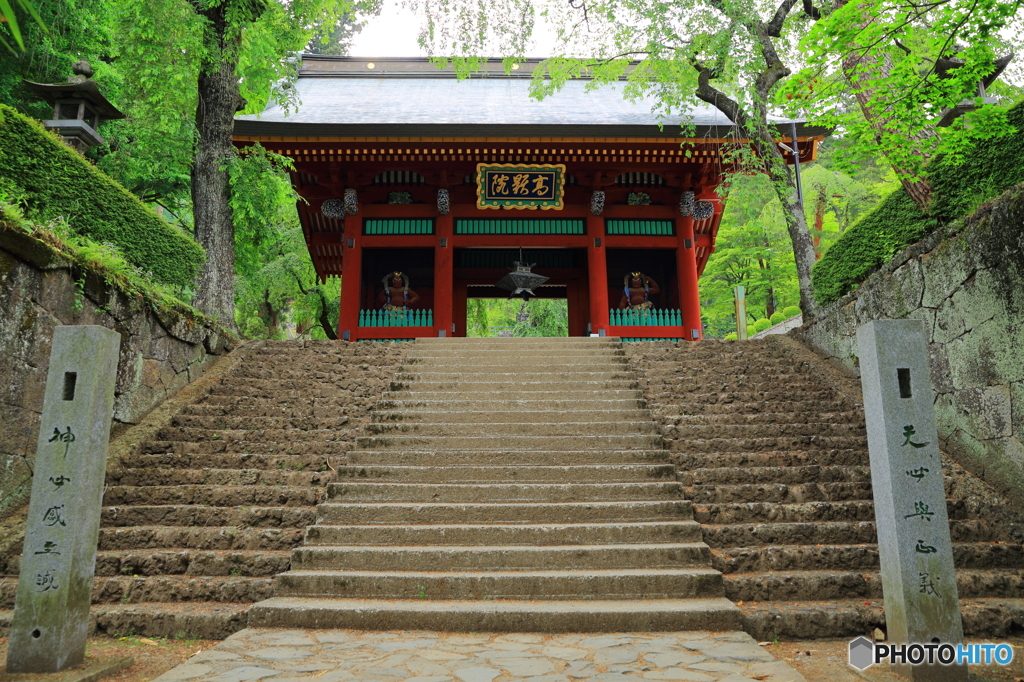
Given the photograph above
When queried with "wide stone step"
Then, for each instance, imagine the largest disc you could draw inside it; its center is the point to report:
(165, 589)
(709, 431)
(821, 532)
(202, 537)
(290, 400)
(512, 386)
(649, 615)
(350, 491)
(564, 427)
(772, 458)
(504, 513)
(769, 443)
(219, 496)
(216, 477)
(198, 515)
(816, 417)
(975, 556)
(779, 513)
(525, 353)
(502, 456)
(703, 396)
(500, 535)
(520, 343)
(455, 404)
(171, 460)
(779, 492)
(193, 562)
(238, 423)
(792, 475)
(542, 584)
(475, 374)
(248, 447)
(269, 435)
(522, 473)
(501, 558)
(511, 396)
(682, 406)
(557, 442)
(594, 414)
(754, 384)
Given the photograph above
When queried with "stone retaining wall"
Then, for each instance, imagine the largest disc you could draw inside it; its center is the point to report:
(161, 351)
(966, 282)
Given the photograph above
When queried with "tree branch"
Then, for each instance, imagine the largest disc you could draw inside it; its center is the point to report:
(774, 27)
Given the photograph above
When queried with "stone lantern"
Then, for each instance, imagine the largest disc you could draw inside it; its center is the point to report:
(78, 107)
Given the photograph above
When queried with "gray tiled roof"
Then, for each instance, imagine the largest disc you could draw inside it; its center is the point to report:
(490, 106)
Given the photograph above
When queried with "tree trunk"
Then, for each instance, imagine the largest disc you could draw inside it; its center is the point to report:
(219, 99)
(819, 220)
(916, 187)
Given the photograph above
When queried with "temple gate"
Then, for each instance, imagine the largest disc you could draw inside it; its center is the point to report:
(402, 167)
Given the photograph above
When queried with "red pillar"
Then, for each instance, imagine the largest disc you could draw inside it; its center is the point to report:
(686, 264)
(351, 279)
(443, 276)
(597, 274)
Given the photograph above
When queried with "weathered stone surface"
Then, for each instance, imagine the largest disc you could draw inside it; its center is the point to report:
(38, 292)
(967, 282)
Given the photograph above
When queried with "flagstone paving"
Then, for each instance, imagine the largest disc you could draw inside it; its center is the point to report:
(412, 656)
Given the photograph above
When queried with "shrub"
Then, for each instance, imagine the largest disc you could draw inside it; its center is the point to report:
(778, 316)
(791, 311)
(750, 330)
(762, 324)
(985, 172)
(57, 182)
(731, 336)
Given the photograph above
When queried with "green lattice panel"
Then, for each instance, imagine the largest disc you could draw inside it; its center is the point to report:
(518, 226)
(659, 228)
(398, 226)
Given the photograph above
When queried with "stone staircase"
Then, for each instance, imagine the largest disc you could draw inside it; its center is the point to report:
(505, 485)
(773, 454)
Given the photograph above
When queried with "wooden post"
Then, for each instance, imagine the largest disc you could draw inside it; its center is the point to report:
(351, 279)
(686, 263)
(443, 276)
(597, 274)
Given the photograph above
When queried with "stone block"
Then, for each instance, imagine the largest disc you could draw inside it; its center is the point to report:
(945, 269)
(985, 412)
(905, 287)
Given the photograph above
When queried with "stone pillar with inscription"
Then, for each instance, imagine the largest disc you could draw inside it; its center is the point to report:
(51, 610)
(914, 546)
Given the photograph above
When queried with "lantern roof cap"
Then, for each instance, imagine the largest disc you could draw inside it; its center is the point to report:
(79, 88)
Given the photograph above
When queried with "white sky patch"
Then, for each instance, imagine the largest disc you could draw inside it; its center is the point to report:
(393, 34)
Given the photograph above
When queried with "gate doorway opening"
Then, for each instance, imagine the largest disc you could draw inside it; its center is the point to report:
(488, 315)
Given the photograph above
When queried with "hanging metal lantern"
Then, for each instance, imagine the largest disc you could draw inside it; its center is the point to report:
(333, 208)
(521, 281)
(703, 210)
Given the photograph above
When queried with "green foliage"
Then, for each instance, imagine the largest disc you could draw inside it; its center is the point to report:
(13, 27)
(731, 336)
(537, 317)
(791, 311)
(59, 182)
(778, 316)
(960, 186)
(762, 324)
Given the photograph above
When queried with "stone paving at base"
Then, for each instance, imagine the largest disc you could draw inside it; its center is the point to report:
(344, 655)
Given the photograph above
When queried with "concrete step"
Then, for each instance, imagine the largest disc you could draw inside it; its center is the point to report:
(511, 396)
(651, 615)
(502, 457)
(477, 373)
(593, 473)
(351, 491)
(630, 511)
(542, 584)
(506, 535)
(456, 427)
(526, 442)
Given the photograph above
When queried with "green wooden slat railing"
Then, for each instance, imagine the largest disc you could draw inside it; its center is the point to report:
(645, 318)
(661, 228)
(518, 226)
(399, 226)
(387, 318)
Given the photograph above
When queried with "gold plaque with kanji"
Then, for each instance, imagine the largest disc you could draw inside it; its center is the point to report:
(530, 186)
